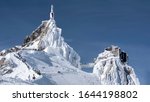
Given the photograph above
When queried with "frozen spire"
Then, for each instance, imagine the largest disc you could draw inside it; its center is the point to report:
(52, 13)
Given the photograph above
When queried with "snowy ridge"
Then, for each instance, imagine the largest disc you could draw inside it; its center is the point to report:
(111, 71)
(21, 67)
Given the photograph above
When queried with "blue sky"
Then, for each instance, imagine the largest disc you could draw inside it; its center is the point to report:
(88, 26)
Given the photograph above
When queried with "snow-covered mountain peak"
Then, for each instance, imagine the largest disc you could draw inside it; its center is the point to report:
(111, 68)
(47, 37)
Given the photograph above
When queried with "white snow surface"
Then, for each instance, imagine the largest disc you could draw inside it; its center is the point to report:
(54, 69)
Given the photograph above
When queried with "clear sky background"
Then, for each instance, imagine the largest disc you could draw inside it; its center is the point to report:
(88, 26)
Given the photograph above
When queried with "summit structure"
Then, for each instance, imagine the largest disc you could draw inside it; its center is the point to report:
(52, 12)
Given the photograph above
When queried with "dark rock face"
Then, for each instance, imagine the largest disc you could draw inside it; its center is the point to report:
(35, 34)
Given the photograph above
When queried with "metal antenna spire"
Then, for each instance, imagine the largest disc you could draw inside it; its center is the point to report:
(52, 12)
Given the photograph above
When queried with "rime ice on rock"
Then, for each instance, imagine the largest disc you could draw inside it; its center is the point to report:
(111, 70)
(47, 37)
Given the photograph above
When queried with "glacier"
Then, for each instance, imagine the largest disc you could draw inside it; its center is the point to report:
(45, 58)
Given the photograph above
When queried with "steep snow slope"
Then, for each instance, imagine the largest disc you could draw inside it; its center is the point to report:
(111, 70)
(48, 69)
